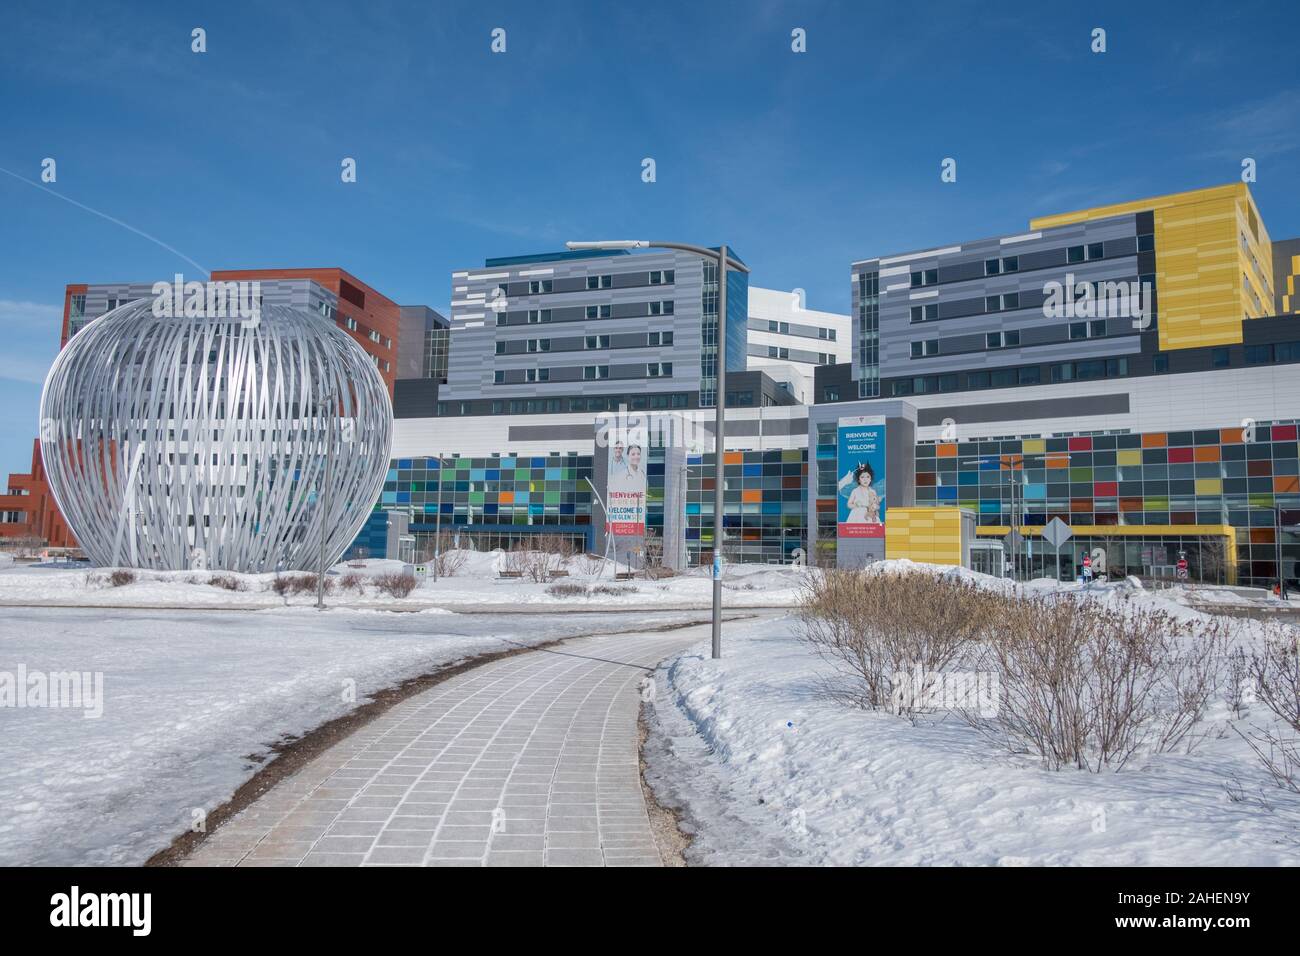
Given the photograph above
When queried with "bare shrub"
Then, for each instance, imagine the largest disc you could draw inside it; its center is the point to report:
(548, 553)
(588, 564)
(1089, 686)
(613, 589)
(652, 556)
(1273, 668)
(566, 590)
(301, 584)
(395, 585)
(283, 586)
(121, 576)
(227, 581)
(352, 581)
(514, 561)
(880, 629)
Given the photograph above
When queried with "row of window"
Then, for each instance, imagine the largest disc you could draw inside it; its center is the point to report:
(1083, 370)
(781, 352)
(591, 342)
(1088, 252)
(546, 286)
(540, 316)
(590, 373)
(783, 328)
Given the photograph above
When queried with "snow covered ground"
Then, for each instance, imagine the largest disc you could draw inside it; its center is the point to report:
(476, 583)
(189, 696)
(770, 771)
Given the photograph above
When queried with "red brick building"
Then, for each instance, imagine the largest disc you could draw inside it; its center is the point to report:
(368, 316)
(27, 509)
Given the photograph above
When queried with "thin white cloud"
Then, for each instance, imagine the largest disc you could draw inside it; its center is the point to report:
(32, 331)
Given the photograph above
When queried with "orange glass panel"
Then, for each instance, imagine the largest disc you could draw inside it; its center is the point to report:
(1154, 440)
(1207, 453)
(946, 451)
(1286, 484)
(751, 495)
(733, 457)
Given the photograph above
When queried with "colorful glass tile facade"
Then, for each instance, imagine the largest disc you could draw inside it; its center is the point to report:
(1203, 477)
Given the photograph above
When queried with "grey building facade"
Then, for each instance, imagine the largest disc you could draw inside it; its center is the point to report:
(981, 309)
(587, 331)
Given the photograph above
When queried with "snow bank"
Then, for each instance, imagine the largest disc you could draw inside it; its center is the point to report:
(770, 770)
(476, 583)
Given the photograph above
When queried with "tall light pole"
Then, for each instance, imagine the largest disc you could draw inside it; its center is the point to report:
(725, 262)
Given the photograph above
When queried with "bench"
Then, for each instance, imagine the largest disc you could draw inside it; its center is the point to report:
(625, 576)
(552, 575)
(510, 574)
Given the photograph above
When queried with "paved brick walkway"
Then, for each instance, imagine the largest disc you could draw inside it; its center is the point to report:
(527, 761)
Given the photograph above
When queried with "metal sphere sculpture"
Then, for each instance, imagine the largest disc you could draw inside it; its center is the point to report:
(193, 443)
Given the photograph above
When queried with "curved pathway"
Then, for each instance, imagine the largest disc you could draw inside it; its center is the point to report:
(528, 761)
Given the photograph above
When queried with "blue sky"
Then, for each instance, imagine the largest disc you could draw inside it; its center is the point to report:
(804, 162)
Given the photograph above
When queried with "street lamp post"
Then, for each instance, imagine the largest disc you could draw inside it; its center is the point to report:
(725, 262)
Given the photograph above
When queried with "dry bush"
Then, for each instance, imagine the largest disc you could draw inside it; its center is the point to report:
(120, 576)
(880, 629)
(1273, 669)
(514, 561)
(613, 589)
(1090, 686)
(652, 557)
(227, 581)
(589, 564)
(395, 585)
(549, 553)
(352, 581)
(446, 558)
(300, 584)
(566, 590)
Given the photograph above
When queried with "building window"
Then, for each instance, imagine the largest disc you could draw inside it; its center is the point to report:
(781, 328)
(993, 267)
(1146, 242)
(498, 377)
(538, 315)
(598, 312)
(827, 334)
(1002, 303)
(1259, 354)
(592, 372)
(659, 369)
(501, 348)
(537, 375)
(925, 313)
(922, 348)
(1086, 253)
(1002, 340)
(374, 336)
(925, 277)
(661, 277)
(662, 308)
(13, 517)
(350, 322)
(539, 287)
(778, 352)
(600, 282)
(830, 394)
(659, 338)
(1160, 363)
(595, 342)
(1219, 358)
